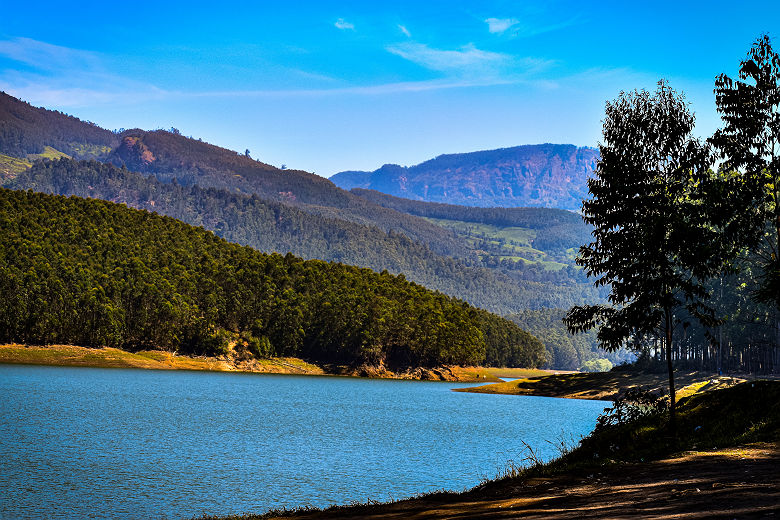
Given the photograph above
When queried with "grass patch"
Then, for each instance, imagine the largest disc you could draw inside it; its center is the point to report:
(48, 153)
(69, 355)
(89, 151)
(522, 373)
(10, 167)
(474, 374)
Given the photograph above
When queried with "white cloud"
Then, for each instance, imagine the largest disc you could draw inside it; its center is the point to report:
(500, 25)
(62, 77)
(344, 25)
(404, 30)
(513, 27)
(47, 56)
(467, 57)
(470, 62)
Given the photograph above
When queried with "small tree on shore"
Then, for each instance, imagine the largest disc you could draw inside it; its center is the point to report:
(658, 237)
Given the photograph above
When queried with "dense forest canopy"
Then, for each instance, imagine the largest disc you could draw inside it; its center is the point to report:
(95, 273)
(272, 226)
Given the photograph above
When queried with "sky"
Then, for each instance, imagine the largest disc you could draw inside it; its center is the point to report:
(330, 86)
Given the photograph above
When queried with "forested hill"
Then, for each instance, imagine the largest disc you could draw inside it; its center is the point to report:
(271, 226)
(26, 131)
(95, 273)
(544, 175)
(253, 203)
(168, 155)
(556, 228)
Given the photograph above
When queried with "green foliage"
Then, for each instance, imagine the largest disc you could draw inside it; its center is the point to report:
(597, 365)
(564, 350)
(273, 226)
(631, 406)
(748, 412)
(750, 109)
(659, 232)
(649, 217)
(94, 273)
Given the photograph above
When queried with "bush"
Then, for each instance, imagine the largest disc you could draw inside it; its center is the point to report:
(597, 365)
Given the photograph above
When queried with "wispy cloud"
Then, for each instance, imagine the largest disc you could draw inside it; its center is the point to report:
(512, 27)
(362, 90)
(344, 25)
(58, 76)
(404, 30)
(45, 55)
(500, 25)
(469, 61)
(467, 57)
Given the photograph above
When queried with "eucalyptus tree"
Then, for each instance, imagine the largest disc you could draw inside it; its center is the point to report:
(749, 143)
(660, 225)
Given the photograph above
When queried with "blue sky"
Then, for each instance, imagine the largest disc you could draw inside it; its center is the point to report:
(331, 86)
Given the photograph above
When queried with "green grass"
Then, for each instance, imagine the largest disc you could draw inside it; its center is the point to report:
(92, 151)
(48, 153)
(516, 245)
(10, 167)
(745, 413)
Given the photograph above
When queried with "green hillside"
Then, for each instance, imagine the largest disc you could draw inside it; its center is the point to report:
(94, 273)
(272, 226)
(27, 130)
(169, 155)
(10, 167)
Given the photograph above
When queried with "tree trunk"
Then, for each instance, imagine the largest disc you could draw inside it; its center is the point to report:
(670, 368)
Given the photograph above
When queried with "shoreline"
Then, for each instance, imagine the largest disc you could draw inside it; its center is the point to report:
(107, 357)
(606, 386)
(740, 480)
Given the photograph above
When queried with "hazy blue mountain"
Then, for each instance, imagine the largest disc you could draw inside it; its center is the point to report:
(543, 175)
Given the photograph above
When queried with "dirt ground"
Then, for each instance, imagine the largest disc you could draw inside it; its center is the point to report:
(721, 484)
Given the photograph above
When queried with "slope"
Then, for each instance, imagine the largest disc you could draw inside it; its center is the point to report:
(271, 226)
(27, 131)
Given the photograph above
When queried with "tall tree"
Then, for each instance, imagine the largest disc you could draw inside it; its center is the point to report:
(749, 143)
(655, 241)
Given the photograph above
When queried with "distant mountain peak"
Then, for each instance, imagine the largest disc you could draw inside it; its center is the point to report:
(542, 175)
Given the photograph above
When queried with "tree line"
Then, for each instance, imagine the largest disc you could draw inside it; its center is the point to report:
(670, 231)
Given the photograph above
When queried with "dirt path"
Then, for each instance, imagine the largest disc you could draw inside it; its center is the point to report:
(734, 483)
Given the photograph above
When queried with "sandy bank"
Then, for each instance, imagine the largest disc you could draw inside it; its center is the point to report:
(70, 355)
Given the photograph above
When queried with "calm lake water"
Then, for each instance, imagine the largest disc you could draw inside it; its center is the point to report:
(115, 443)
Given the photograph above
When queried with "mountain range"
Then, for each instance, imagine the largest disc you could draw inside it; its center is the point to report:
(543, 175)
(504, 260)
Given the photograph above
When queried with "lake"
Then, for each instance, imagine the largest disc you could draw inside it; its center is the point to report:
(116, 443)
